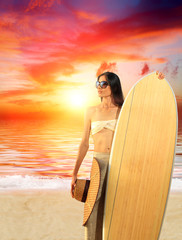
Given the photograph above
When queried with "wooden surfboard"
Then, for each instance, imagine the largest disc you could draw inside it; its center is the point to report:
(141, 162)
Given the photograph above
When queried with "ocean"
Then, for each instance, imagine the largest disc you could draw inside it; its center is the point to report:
(37, 154)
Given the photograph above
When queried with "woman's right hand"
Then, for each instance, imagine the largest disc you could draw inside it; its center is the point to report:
(73, 184)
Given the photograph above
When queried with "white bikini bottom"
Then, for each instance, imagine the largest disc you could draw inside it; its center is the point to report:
(101, 155)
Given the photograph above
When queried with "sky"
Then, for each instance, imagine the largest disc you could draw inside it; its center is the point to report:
(51, 51)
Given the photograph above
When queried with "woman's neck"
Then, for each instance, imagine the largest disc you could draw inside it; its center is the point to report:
(107, 102)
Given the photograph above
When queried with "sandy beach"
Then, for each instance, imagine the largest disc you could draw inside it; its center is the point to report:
(40, 215)
(172, 224)
(54, 215)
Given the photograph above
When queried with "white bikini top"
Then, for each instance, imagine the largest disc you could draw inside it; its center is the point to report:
(97, 126)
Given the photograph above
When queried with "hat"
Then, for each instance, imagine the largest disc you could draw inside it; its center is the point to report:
(92, 191)
(81, 189)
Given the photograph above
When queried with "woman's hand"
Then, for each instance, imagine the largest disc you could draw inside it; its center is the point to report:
(73, 184)
(160, 75)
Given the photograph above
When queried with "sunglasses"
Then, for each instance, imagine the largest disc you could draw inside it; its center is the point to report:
(102, 84)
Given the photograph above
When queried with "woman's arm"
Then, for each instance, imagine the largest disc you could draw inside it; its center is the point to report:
(83, 147)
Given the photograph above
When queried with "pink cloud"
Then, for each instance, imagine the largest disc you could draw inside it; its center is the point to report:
(172, 69)
(111, 67)
(145, 69)
(43, 4)
(94, 17)
(46, 73)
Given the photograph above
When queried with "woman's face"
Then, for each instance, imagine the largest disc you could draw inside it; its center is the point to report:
(104, 92)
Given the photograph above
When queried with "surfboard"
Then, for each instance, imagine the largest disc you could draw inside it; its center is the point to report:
(141, 162)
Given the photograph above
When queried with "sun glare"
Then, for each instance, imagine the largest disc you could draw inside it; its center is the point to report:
(77, 99)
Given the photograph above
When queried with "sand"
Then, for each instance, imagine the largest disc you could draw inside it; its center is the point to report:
(54, 215)
(40, 215)
(172, 224)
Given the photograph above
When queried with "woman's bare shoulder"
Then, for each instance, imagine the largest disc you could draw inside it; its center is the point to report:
(92, 109)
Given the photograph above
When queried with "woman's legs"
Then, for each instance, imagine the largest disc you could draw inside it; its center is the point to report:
(93, 227)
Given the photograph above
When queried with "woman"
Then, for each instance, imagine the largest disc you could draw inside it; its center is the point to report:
(101, 121)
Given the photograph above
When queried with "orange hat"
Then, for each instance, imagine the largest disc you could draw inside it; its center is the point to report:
(92, 191)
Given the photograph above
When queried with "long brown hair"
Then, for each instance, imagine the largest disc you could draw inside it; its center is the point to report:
(116, 89)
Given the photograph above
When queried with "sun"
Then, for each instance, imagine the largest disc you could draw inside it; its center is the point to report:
(77, 99)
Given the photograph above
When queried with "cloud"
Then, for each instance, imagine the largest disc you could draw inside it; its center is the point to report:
(41, 4)
(104, 67)
(25, 92)
(68, 40)
(43, 46)
(89, 16)
(161, 60)
(145, 69)
(175, 71)
(88, 55)
(172, 69)
(24, 102)
(40, 91)
(32, 103)
(134, 32)
(46, 73)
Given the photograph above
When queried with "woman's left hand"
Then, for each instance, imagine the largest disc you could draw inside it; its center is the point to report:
(73, 184)
(160, 75)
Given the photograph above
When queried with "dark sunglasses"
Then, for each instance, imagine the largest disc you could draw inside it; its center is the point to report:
(102, 84)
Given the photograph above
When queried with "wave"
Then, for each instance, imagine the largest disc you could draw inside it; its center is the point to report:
(27, 182)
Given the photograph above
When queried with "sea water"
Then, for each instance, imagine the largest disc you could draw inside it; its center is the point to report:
(41, 154)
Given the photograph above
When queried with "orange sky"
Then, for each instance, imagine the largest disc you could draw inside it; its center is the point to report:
(52, 51)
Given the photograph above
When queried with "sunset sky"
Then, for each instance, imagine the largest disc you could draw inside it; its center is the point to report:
(52, 50)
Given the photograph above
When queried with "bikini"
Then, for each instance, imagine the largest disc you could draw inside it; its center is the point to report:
(97, 126)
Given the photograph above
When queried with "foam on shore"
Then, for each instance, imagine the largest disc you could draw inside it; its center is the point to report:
(18, 182)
